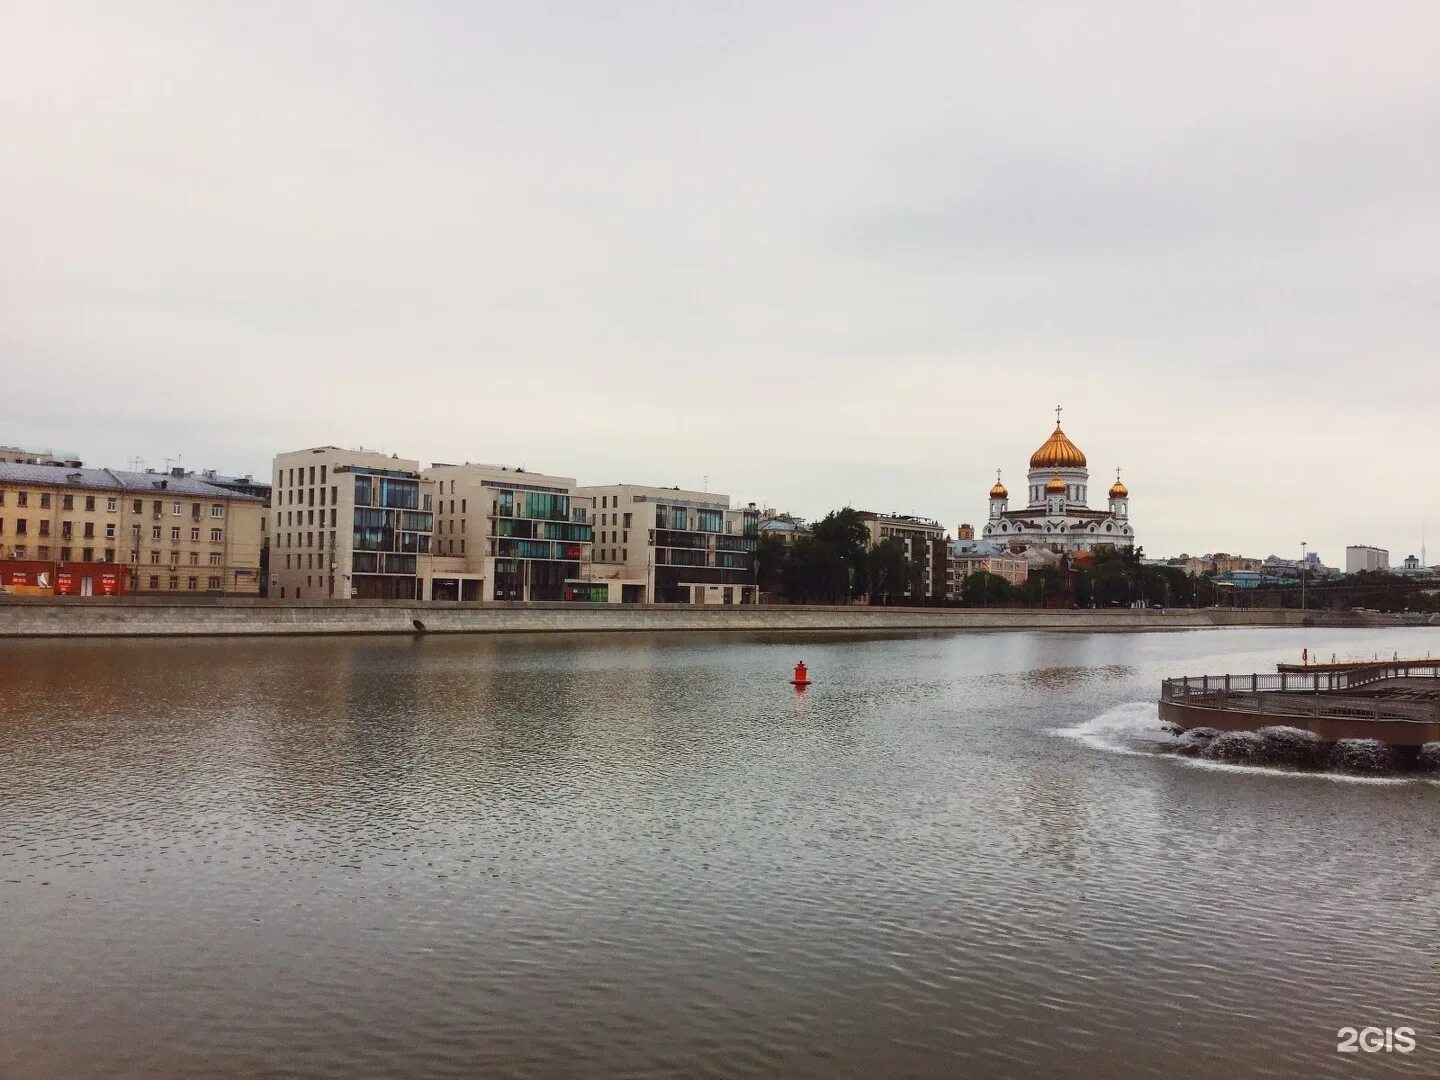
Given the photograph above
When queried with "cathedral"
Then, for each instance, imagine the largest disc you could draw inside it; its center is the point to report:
(1057, 517)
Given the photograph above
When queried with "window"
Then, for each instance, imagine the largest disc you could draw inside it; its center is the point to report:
(21, 526)
(44, 527)
(109, 554)
(110, 531)
(89, 502)
(112, 504)
(156, 507)
(175, 534)
(194, 510)
(174, 582)
(134, 532)
(87, 554)
(154, 582)
(67, 502)
(174, 509)
(64, 554)
(462, 506)
(43, 552)
(214, 583)
(194, 558)
(22, 498)
(194, 534)
(44, 500)
(19, 551)
(89, 530)
(155, 532)
(215, 558)
(322, 474)
(154, 556)
(138, 506)
(192, 583)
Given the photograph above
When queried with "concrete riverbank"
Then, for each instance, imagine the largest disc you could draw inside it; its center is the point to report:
(148, 617)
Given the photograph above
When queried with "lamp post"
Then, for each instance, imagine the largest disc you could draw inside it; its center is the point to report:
(1302, 575)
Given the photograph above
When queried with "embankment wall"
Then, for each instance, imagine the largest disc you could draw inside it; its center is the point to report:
(149, 616)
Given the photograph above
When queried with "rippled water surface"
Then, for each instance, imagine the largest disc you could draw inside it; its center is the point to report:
(956, 855)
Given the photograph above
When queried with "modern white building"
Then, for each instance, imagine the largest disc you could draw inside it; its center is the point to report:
(1362, 557)
(1057, 517)
(349, 524)
(503, 533)
(669, 546)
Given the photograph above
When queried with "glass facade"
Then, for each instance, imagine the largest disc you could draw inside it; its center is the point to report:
(389, 528)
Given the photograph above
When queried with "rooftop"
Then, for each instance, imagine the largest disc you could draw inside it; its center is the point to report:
(113, 480)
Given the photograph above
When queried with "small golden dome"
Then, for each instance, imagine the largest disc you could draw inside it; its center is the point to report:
(1119, 490)
(1057, 452)
(998, 491)
(1056, 486)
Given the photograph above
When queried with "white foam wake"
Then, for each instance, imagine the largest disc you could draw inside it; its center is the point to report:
(1271, 770)
(1131, 728)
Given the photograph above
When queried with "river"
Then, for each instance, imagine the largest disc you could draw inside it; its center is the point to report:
(957, 854)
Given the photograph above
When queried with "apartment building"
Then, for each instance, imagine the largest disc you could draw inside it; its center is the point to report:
(1362, 557)
(670, 546)
(171, 532)
(349, 524)
(925, 544)
(19, 455)
(971, 556)
(502, 533)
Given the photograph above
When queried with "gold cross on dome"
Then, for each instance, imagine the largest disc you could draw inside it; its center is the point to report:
(1057, 415)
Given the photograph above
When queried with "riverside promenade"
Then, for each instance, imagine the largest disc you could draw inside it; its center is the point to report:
(210, 616)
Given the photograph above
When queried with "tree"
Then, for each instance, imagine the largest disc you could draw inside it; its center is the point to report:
(890, 572)
(984, 589)
(770, 556)
(845, 532)
(814, 573)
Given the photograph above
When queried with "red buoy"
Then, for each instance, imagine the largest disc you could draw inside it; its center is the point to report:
(802, 676)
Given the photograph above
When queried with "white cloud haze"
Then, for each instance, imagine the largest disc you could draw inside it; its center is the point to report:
(821, 253)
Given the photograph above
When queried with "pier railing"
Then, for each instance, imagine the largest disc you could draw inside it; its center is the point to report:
(1320, 693)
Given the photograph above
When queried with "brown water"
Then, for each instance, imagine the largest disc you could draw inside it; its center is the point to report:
(957, 855)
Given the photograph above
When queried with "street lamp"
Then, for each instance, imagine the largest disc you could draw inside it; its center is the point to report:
(1302, 575)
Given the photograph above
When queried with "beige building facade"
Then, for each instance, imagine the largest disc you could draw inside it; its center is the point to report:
(671, 546)
(503, 533)
(925, 545)
(172, 533)
(349, 524)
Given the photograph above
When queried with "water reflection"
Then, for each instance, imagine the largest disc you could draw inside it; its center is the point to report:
(644, 854)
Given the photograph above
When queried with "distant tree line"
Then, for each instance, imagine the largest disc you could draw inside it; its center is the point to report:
(836, 564)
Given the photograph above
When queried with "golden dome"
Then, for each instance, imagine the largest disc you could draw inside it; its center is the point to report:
(1119, 490)
(1056, 486)
(998, 491)
(1057, 452)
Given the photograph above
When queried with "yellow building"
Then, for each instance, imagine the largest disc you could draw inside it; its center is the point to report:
(173, 533)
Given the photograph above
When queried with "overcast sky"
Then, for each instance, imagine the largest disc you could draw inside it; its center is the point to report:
(821, 254)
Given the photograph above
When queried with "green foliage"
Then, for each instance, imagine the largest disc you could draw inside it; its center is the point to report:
(845, 533)
(891, 574)
(770, 556)
(984, 589)
(815, 573)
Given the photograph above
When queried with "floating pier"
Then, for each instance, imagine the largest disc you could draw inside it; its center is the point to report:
(1397, 703)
